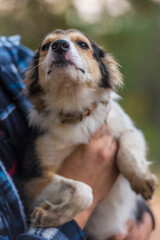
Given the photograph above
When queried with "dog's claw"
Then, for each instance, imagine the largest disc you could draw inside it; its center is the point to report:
(40, 215)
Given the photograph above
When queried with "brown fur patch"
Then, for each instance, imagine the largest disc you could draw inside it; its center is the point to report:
(34, 187)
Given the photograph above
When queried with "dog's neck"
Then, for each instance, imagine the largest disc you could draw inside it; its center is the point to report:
(62, 111)
(70, 106)
(75, 117)
(73, 99)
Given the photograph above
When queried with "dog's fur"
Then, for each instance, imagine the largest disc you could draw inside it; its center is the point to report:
(62, 86)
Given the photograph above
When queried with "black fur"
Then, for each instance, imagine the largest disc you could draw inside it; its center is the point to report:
(30, 167)
(99, 54)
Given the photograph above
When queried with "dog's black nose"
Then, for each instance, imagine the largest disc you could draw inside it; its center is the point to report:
(60, 46)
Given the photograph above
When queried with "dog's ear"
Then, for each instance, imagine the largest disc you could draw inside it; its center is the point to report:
(33, 89)
(111, 76)
(115, 76)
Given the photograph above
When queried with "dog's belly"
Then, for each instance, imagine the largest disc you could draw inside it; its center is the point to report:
(111, 215)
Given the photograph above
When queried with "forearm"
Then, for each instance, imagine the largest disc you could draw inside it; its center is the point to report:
(83, 217)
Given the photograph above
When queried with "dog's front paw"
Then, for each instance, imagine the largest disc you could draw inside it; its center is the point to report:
(49, 214)
(83, 196)
(144, 185)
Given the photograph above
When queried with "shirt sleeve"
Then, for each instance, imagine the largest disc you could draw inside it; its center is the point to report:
(68, 231)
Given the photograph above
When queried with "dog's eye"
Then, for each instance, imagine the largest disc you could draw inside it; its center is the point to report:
(82, 44)
(45, 47)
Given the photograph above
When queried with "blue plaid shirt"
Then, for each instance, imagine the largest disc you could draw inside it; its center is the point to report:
(14, 60)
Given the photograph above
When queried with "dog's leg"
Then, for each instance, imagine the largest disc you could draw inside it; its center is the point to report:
(59, 201)
(133, 164)
(131, 156)
(111, 215)
(53, 199)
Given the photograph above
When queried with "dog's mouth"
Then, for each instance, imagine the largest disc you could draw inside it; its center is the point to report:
(63, 63)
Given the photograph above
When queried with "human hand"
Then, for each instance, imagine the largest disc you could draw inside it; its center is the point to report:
(142, 231)
(95, 165)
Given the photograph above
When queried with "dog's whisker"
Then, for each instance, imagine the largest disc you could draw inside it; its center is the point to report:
(32, 68)
(35, 61)
(29, 66)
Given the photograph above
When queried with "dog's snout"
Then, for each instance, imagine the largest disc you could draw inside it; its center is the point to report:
(60, 46)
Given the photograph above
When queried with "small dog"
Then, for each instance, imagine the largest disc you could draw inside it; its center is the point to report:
(71, 84)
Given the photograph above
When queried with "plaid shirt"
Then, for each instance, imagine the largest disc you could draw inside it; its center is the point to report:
(14, 60)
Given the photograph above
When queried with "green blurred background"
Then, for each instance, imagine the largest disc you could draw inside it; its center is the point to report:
(130, 30)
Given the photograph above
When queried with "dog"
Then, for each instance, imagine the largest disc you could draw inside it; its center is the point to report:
(72, 85)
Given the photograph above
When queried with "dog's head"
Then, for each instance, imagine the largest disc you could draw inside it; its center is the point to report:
(70, 57)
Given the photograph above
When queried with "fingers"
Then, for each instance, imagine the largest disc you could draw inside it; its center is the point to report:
(110, 149)
(99, 133)
(141, 231)
(104, 141)
(117, 237)
(137, 232)
(130, 225)
(106, 150)
(146, 225)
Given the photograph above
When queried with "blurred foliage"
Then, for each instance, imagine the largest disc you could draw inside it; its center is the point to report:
(133, 38)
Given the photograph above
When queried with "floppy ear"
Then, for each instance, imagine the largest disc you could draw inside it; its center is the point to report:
(115, 76)
(33, 89)
(111, 76)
